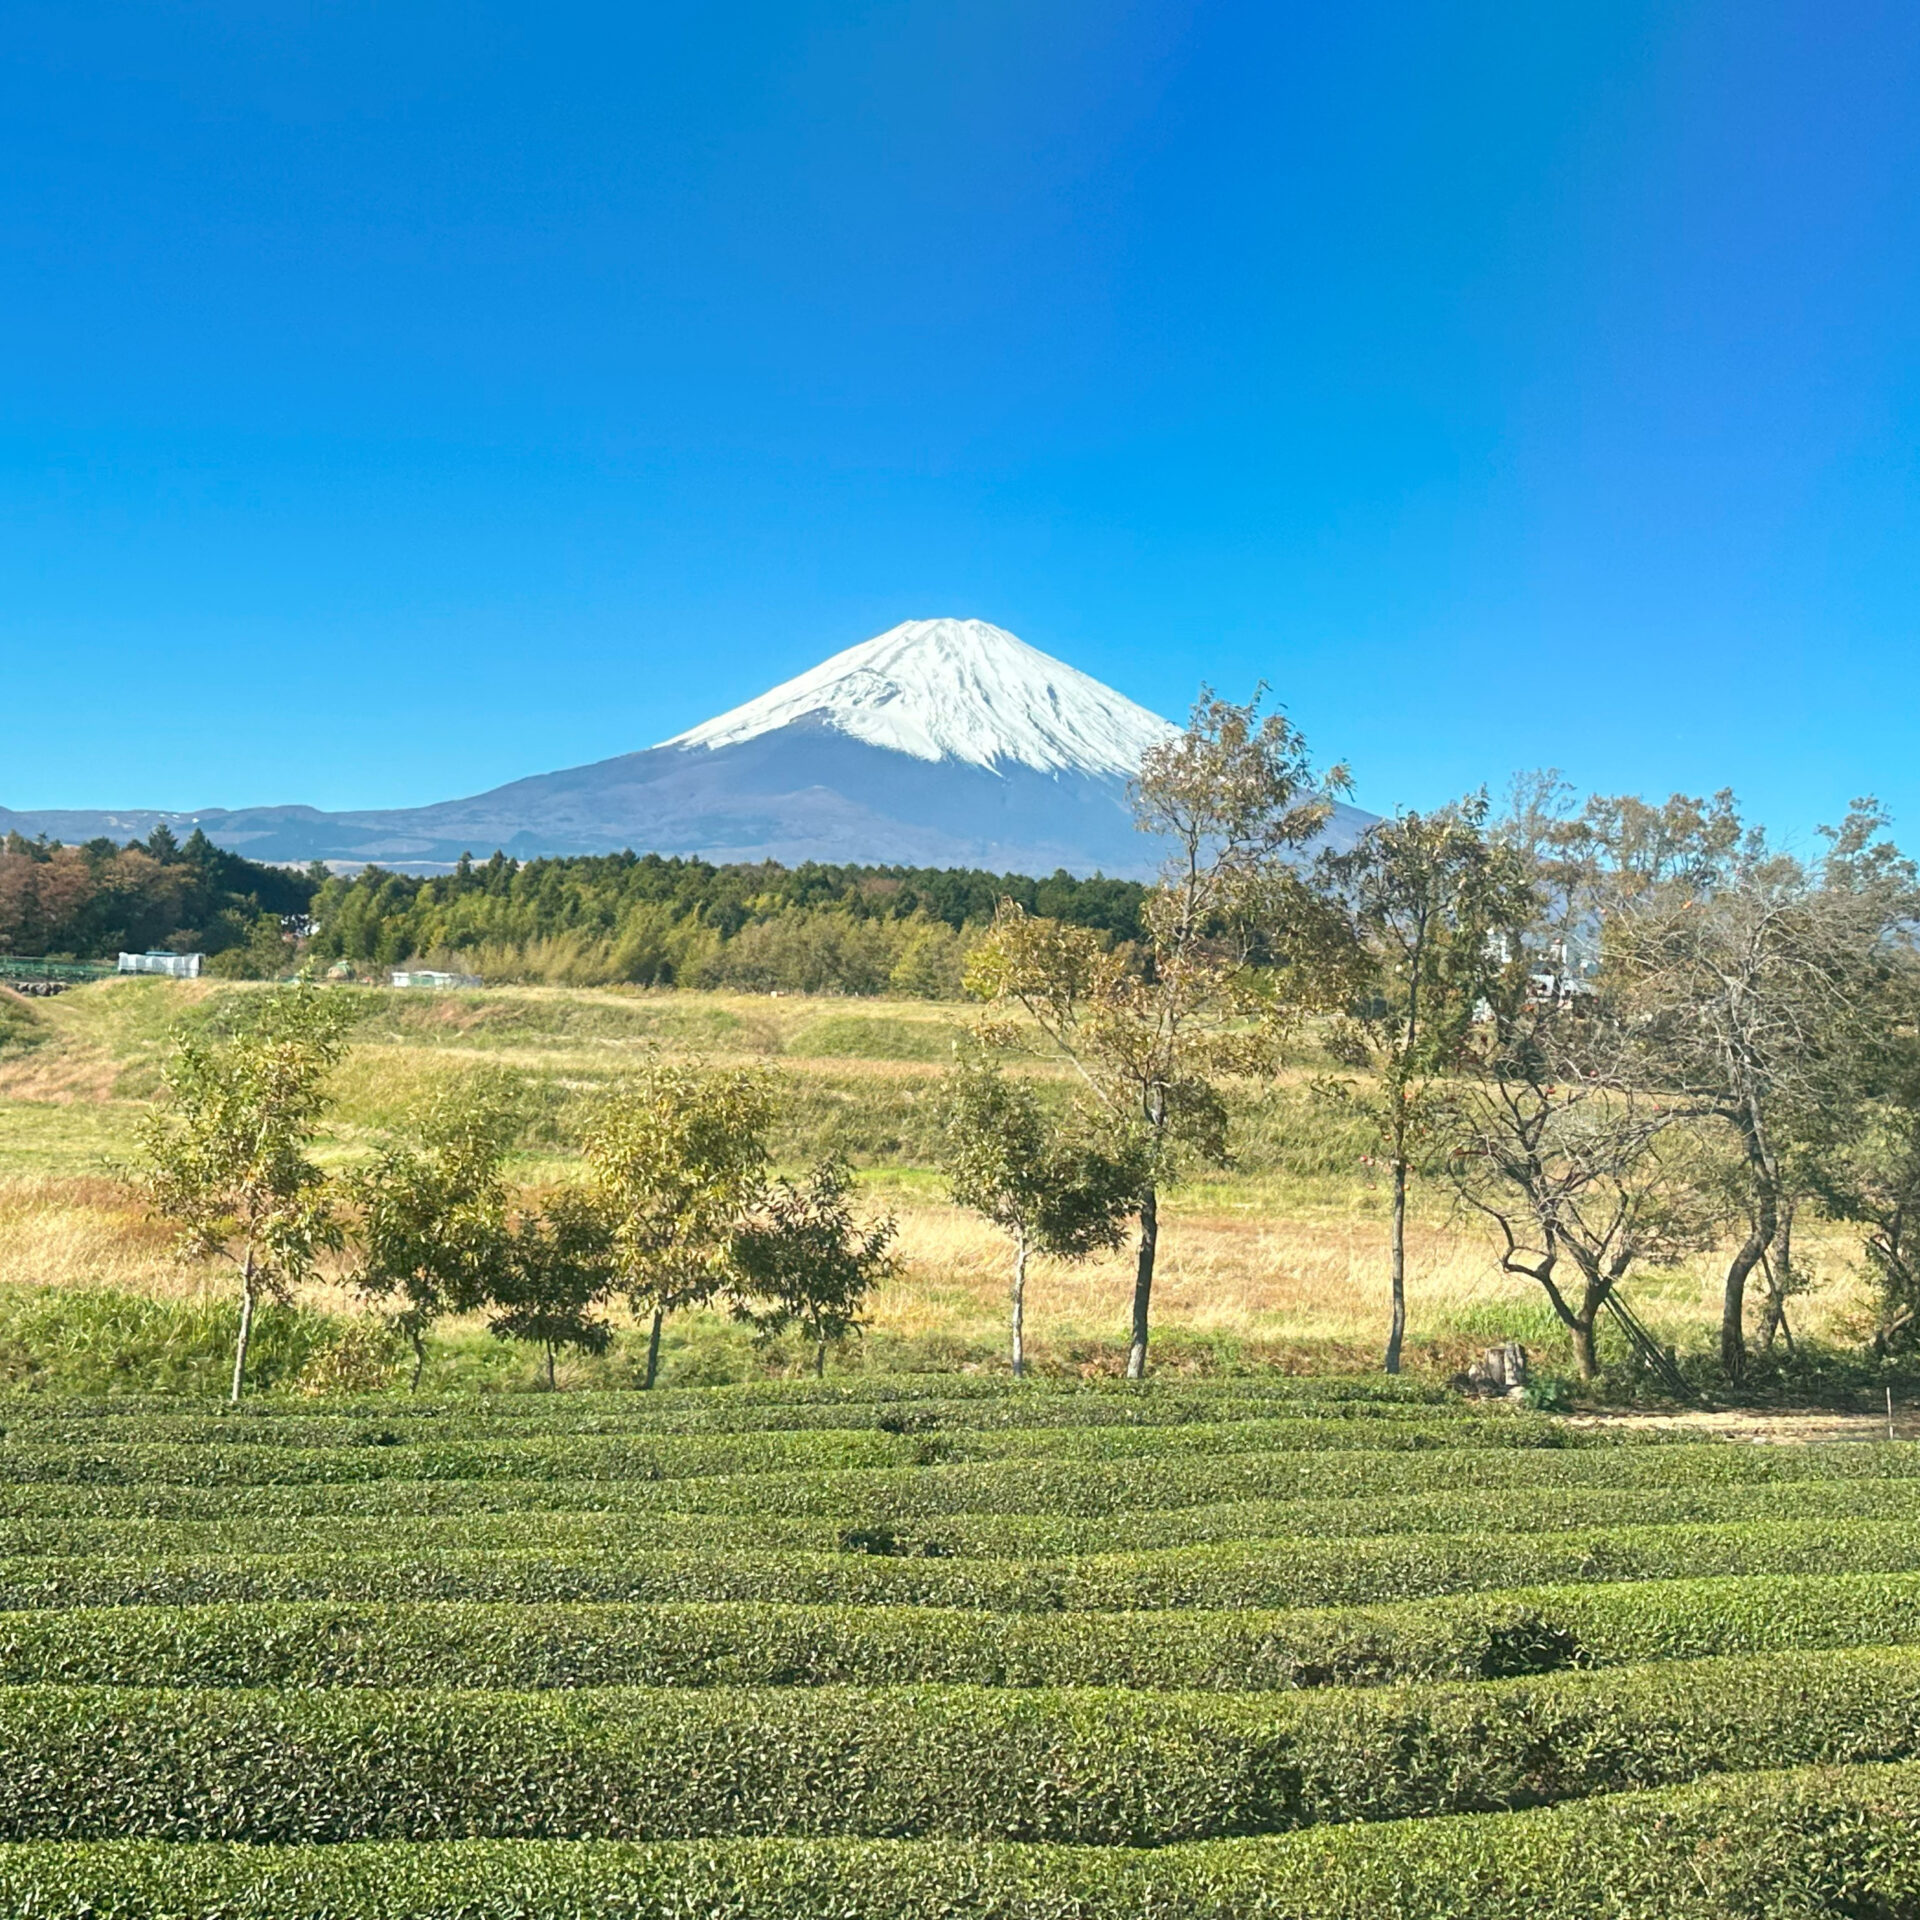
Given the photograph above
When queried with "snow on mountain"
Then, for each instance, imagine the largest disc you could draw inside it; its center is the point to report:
(954, 690)
(940, 743)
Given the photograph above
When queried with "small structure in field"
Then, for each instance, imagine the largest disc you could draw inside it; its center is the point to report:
(1499, 1374)
(176, 966)
(36, 977)
(427, 977)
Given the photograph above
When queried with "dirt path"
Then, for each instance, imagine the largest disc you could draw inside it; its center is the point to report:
(1786, 1428)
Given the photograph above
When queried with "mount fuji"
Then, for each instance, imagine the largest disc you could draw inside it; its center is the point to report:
(938, 743)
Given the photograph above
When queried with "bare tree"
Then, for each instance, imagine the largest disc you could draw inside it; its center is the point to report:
(1583, 1172)
(1749, 978)
(1755, 996)
(1879, 1187)
(1870, 1173)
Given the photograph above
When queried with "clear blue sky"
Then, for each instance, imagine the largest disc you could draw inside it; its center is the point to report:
(395, 400)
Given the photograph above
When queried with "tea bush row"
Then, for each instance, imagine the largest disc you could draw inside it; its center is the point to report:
(1030, 1484)
(532, 1416)
(630, 1456)
(455, 1644)
(983, 1390)
(969, 1536)
(1086, 1767)
(1795, 1846)
(1294, 1573)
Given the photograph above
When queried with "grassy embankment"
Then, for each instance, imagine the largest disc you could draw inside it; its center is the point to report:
(1278, 1259)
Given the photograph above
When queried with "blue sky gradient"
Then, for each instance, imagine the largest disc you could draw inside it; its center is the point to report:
(395, 401)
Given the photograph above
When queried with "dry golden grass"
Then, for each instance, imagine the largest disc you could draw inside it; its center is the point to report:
(1281, 1263)
(1315, 1287)
(86, 1232)
(57, 1077)
(1318, 1285)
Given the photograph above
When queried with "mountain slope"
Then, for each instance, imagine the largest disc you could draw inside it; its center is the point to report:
(937, 743)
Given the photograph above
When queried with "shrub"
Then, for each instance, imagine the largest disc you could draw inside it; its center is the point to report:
(1481, 1512)
(363, 1355)
(1292, 1573)
(1792, 1847)
(456, 1644)
(799, 1401)
(507, 1416)
(650, 1457)
(1035, 1486)
(1087, 1767)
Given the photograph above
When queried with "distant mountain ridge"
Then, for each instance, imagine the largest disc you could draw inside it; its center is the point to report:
(937, 743)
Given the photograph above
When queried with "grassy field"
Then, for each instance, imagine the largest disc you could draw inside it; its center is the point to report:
(1278, 1259)
(945, 1645)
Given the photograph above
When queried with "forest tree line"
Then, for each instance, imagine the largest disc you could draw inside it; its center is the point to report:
(654, 921)
(594, 920)
(99, 898)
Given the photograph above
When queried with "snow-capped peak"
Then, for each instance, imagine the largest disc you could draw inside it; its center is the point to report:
(955, 690)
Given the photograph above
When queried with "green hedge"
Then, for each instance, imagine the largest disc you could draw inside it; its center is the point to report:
(1805, 1846)
(959, 1390)
(1030, 1485)
(456, 1644)
(1293, 1573)
(44, 1422)
(676, 1456)
(983, 1536)
(1087, 1767)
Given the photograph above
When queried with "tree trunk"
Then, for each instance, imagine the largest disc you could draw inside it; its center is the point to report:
(1733, 1308)
(1777, 1266)
(1585, 1351)
(653, 1348)
(820, 1359)
(246, 1330)
(419, 1357)
(1397, 1329)
(1143, 1282)
(1766, 1223)
(553, 1384)
(1019, 1294)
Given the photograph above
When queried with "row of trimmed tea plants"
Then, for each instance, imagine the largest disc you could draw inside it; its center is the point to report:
(932, 1647)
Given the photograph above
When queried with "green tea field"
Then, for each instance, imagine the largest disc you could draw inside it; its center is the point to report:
(942, 1645)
